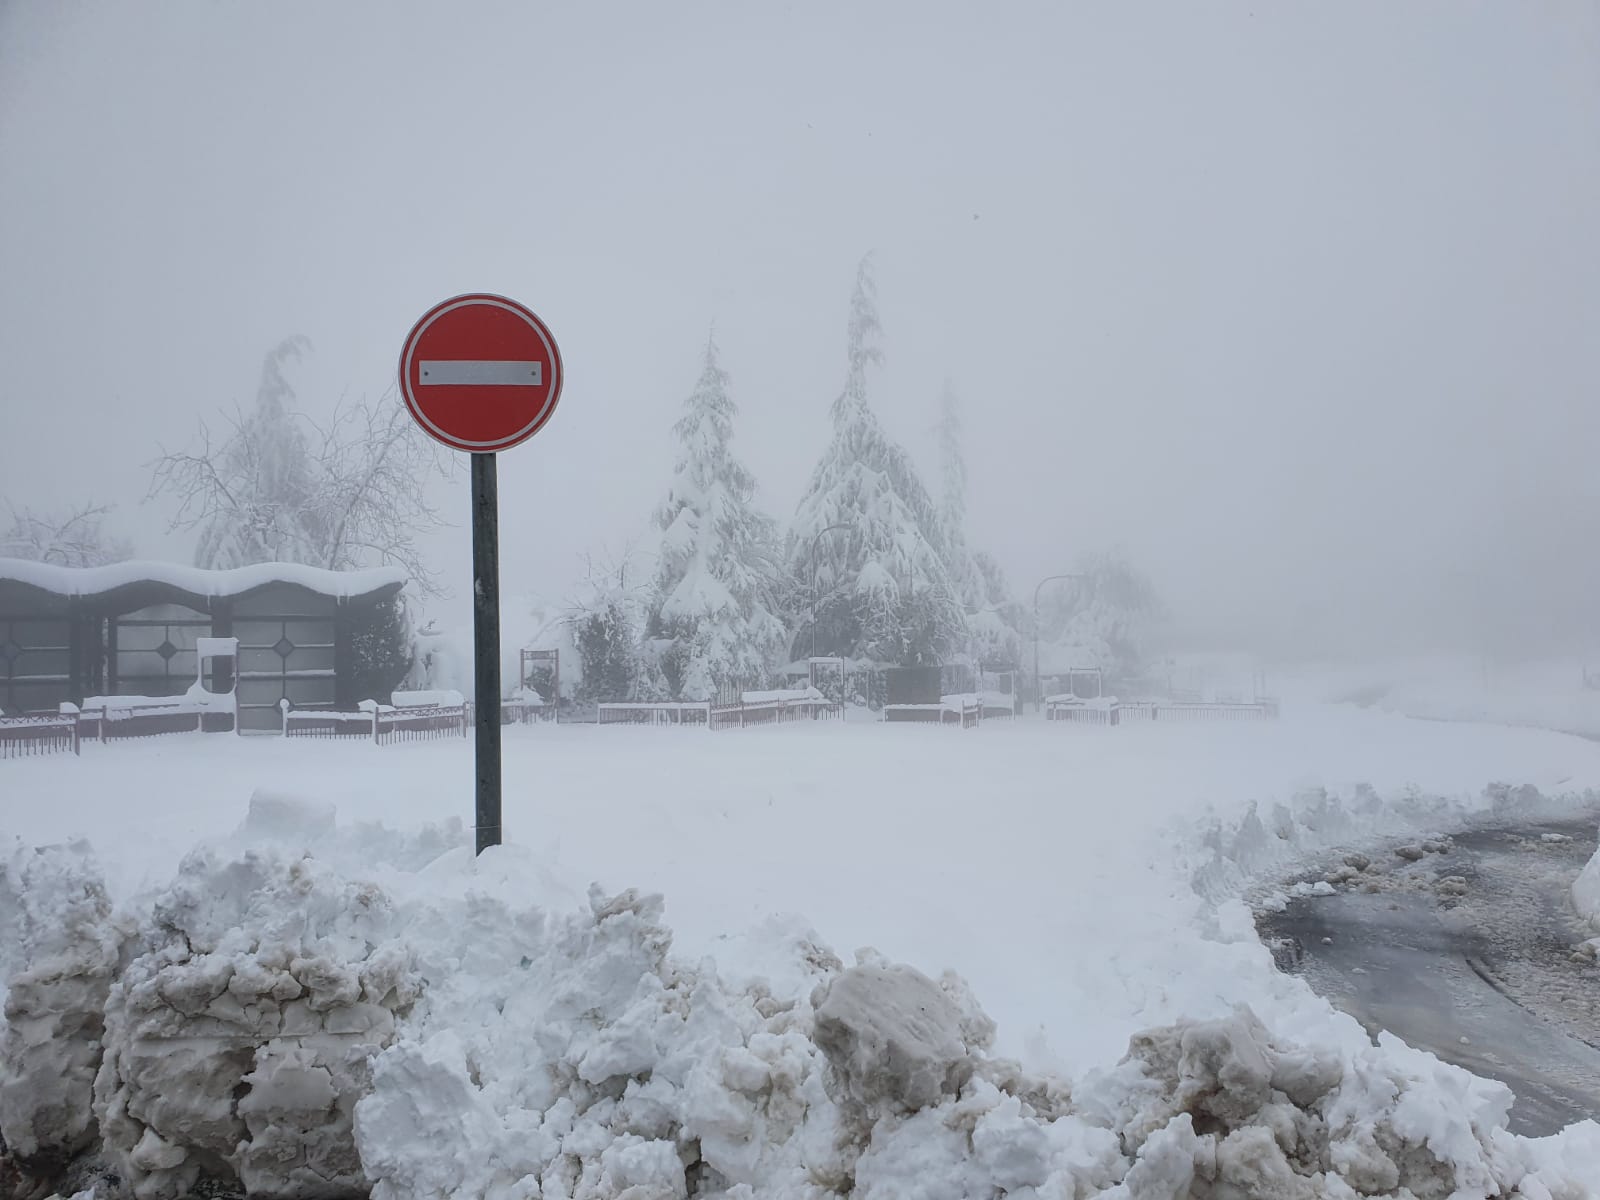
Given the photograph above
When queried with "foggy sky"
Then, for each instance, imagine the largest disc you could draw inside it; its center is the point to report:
(1295, 302)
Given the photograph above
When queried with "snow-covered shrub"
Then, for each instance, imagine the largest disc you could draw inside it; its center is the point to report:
(381, 649)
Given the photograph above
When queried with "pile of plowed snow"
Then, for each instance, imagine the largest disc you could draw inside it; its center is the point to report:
(319, 1011)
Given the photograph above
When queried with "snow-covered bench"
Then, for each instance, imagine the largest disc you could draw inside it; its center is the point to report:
(524, 706)
(196, 711)
(1067, 707)
(964, 709)
(999, 704)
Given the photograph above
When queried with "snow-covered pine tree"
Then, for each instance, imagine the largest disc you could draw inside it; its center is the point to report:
(882, 590)
(711, 618)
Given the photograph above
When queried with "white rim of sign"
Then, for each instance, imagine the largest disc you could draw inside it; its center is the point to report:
(532, 322)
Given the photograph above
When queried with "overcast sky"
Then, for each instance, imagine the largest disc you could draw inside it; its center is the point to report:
(1297, 302)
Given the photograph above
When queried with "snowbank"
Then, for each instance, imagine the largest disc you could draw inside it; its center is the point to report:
(315, 1009)
(1536, 695)
(1586, 891)
(58, 951)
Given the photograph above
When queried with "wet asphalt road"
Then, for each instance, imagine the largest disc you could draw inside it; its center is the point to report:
(1467, 953)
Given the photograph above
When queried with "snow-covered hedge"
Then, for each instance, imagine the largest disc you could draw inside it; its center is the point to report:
(314, 1010)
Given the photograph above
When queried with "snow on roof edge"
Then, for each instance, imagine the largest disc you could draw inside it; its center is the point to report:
(95, 581)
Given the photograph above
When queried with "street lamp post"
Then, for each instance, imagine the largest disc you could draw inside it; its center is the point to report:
(814, 542)
(1037, 681)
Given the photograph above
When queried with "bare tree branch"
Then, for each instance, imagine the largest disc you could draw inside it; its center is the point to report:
(345, 493)
(72, 539)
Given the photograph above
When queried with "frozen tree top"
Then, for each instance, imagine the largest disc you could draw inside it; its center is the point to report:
(95, 581)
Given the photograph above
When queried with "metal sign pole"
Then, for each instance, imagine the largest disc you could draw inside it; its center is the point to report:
(486, 645)
(481, 373)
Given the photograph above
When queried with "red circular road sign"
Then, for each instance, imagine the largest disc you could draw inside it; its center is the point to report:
(480, 373)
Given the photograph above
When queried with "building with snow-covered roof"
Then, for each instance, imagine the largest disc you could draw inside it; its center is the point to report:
(132, 629)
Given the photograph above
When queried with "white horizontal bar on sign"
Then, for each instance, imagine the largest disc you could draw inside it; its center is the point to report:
(482, 372)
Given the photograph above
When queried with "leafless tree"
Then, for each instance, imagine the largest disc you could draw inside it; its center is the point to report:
(76, 538)
(278, 486)
(372, 466)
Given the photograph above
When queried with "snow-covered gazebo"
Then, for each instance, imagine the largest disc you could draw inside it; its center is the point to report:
(132, 629)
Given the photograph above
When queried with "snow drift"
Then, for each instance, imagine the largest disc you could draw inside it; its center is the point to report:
(315, 1010)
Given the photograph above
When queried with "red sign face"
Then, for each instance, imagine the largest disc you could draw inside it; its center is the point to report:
(480, 373)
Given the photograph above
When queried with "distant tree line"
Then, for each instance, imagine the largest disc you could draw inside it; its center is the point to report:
(874, 567)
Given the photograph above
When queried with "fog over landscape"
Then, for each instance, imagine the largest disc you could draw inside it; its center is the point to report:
(1293, 303)
(1050, 647)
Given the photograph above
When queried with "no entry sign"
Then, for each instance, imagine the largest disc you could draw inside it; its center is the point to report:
(480, 373)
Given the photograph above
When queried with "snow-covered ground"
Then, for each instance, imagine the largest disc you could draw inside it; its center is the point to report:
(1084, 882)
(1548, 694)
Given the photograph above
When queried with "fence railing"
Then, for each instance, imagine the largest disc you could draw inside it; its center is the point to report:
(421, 722)
(40, 733)
(327, 723)
(1126, 712)
(667, 712)
(1260, 711)
(1079, 712)
(751, 709)
(774, 710)
(379, 723)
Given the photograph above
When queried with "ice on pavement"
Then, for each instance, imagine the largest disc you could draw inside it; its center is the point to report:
(312, 1009)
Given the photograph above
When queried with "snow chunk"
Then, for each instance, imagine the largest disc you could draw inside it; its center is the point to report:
(1321, 887)
(59, 970)
(276, 816)
(238, 1037)
(892, 1037)
(1224, 1108)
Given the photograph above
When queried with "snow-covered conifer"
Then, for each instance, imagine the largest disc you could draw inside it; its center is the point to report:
(712, 617)
(882, 590)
